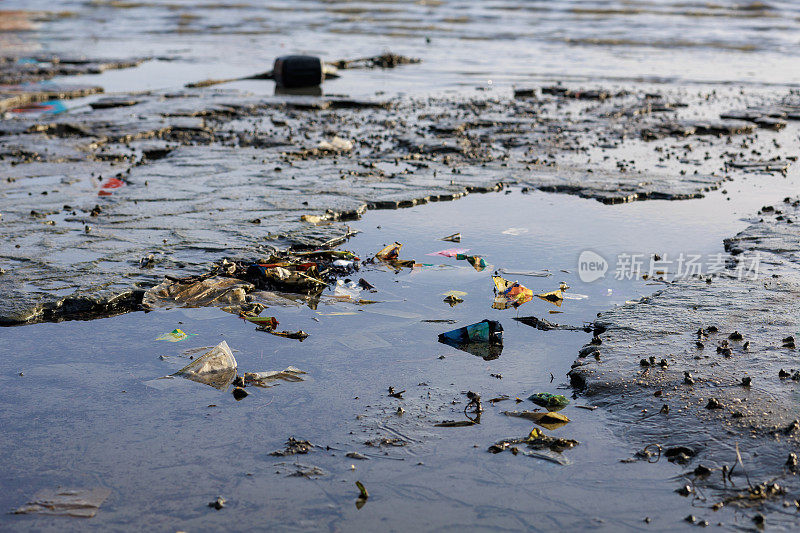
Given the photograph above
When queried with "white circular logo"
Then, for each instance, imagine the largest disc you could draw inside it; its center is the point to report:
(591, 266)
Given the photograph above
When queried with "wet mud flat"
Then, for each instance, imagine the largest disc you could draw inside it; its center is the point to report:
(100, 203)
(703, 371)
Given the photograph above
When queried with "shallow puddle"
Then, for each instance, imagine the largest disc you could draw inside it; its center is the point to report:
(84, 413)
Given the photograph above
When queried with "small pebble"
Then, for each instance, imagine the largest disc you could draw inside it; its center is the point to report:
(713, 403)
(217, 504)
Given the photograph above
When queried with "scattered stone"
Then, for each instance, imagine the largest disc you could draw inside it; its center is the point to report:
(217, 504)
(294, 446)
(356, 455)
(713, 403)
(239, 393)
(679, 454)
(791, 462)
(702, 471)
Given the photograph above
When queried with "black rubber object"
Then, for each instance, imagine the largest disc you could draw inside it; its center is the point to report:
(298, 71)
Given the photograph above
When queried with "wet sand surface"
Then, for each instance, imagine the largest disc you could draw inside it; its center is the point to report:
(687, 106)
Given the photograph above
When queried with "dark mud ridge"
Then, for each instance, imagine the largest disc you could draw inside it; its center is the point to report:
(707, 365)
(14, 72)
(108, 198)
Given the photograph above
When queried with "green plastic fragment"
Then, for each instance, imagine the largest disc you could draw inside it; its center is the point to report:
(550, 401)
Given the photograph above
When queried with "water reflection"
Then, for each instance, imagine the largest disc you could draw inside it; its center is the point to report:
(486, 351)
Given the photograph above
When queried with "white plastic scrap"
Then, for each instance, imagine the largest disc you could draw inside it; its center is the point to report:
(337, 144)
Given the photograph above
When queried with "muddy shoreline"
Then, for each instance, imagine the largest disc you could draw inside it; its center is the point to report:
(706, 366)
(92, 192)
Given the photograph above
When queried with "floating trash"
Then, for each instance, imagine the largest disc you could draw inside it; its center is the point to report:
(264, 322)
(390, 254)
(450, 252)
(50, 107)
(553, 402)
(267, 379)
(554, 297)
(510, 294)
(476, 261)
(216, 368)
(485, 331)
(176, 335)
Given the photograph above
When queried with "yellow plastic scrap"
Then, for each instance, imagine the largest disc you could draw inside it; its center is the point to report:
(390, 253)
(453, 300)
(457, 294)
(554, 297)
(510, 294)
(500, 283)
(535, 433)
(548, 420)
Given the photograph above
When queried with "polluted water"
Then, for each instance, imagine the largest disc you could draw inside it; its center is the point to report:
(88, 386)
